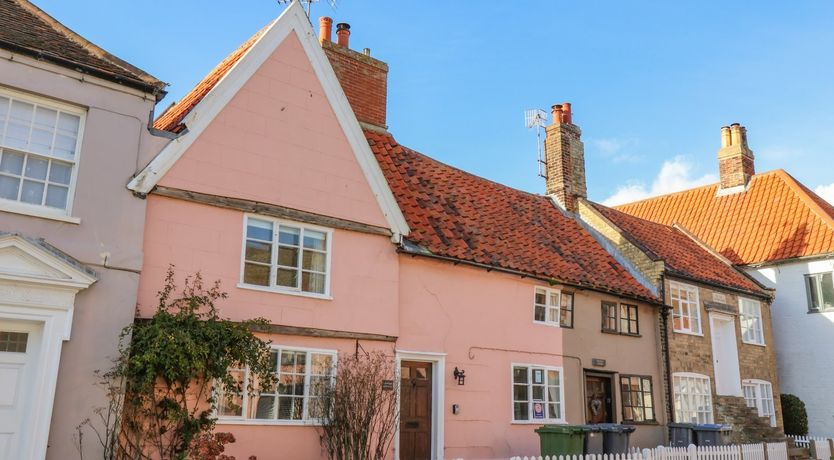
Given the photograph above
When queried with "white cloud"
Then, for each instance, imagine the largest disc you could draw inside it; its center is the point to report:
(675, 175)
(617, 150)
(826, 192)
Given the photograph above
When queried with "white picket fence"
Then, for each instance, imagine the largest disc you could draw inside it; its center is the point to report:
(820, 447)
(775, 451)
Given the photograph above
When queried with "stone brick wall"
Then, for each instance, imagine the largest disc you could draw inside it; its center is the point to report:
(693, 353)
(364, 80)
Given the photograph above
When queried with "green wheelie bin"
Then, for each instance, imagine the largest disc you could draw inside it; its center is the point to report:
(561, 439)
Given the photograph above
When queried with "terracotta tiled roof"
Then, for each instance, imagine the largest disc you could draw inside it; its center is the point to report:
(26, 29)
(457, 215)
(171, 119)
(776, 218)
(681, 254)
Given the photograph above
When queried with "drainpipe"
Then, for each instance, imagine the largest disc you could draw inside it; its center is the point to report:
(664, 324)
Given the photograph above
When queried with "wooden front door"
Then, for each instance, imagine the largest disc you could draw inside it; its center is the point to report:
(415, 410)
(599, 401)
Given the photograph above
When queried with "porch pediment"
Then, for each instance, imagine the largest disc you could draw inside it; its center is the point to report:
(29, 261)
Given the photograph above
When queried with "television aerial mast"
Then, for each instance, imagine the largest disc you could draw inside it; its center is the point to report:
(308, 4)
(537, 119)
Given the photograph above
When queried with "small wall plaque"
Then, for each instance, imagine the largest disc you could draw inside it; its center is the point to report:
(598, 362)
(388, 385)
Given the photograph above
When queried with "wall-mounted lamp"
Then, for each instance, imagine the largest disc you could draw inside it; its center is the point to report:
(459, 375)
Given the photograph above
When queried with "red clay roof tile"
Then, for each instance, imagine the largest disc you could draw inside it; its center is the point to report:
(776, 218)
(455, 214)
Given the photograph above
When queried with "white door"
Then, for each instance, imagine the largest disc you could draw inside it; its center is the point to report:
(725, 355)
(19, 342)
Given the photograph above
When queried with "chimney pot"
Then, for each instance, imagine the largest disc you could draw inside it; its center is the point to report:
(325, 29)
(366, 51)
(556, 113)
(343, 34)
(567, 116)
(725, 136)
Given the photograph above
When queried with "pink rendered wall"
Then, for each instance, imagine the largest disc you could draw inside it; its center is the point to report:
(207, 239)
(460, 311)
(279, 141)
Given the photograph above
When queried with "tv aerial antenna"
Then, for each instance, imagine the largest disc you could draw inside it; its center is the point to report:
(308, 4)
(537, 119)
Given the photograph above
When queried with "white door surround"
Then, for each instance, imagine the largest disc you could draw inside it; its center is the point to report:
(438, 361)
(725, 354)
(38, 285)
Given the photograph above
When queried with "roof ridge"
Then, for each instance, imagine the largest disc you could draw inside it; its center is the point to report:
(803, 193)
(475, 176)
(87, 45)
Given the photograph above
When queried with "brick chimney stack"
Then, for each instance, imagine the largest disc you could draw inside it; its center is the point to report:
(735, 159)
(363, 78)
(565, 157)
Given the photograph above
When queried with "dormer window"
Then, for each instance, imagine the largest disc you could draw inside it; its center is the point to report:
(39, 146)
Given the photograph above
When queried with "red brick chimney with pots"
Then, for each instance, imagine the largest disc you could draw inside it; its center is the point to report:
(325, 29)
(363, 78)
(735, 159)
(565, 157)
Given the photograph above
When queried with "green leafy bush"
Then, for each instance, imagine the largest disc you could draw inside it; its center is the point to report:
(794, 415)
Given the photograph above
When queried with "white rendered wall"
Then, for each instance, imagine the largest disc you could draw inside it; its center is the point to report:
(804, 341)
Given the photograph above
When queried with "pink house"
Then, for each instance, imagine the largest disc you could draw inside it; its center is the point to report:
(283, 183)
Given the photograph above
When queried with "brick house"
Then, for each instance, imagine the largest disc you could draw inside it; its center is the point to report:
(781, 233)
(716, 335)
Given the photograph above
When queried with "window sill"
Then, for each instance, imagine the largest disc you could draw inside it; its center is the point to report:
(545, 323)
(620, 333)
(815, 312)
(697, 334)
(539, 422)
(19, 208)
(755, 344)
(252, 287)
(233, 421)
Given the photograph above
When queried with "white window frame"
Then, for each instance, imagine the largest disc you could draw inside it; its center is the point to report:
(692, 306)
(44, 211)
(683, 414)
(305, 420)
(747, 318)
(760, 394)
(818, 275)
(549, 309)
(530, 401)
(273, 287)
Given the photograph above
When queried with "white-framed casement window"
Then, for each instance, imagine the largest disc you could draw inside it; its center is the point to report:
(759, 394)
(553, 307)
(303, 376)
(820, 290)
(40, 143)
(538, 393)
(752, 330)
(693, 398)
(286, 257)
(686, 308)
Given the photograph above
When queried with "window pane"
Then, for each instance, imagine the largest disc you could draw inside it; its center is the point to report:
(813, 293)
(521, 411)
(287, 278)
(315, 240)
(520, 374)
(9, 186)
(554, 411)
(287, 256)
(264, 407)
(316, 261)
(540, 297)
(827, 290)
(60, 173)
(56, 196)
(11, 163)
(257, 251)
(256, 274)
(322, 364)
(42, 130)
(32, 192)
(539, 314)
(289, 235)
(17, 129)
(520, 393)
(259, 230)
(13, 342)
(312, 282)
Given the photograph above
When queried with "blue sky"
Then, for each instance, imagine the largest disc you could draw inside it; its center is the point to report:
(651, 82)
